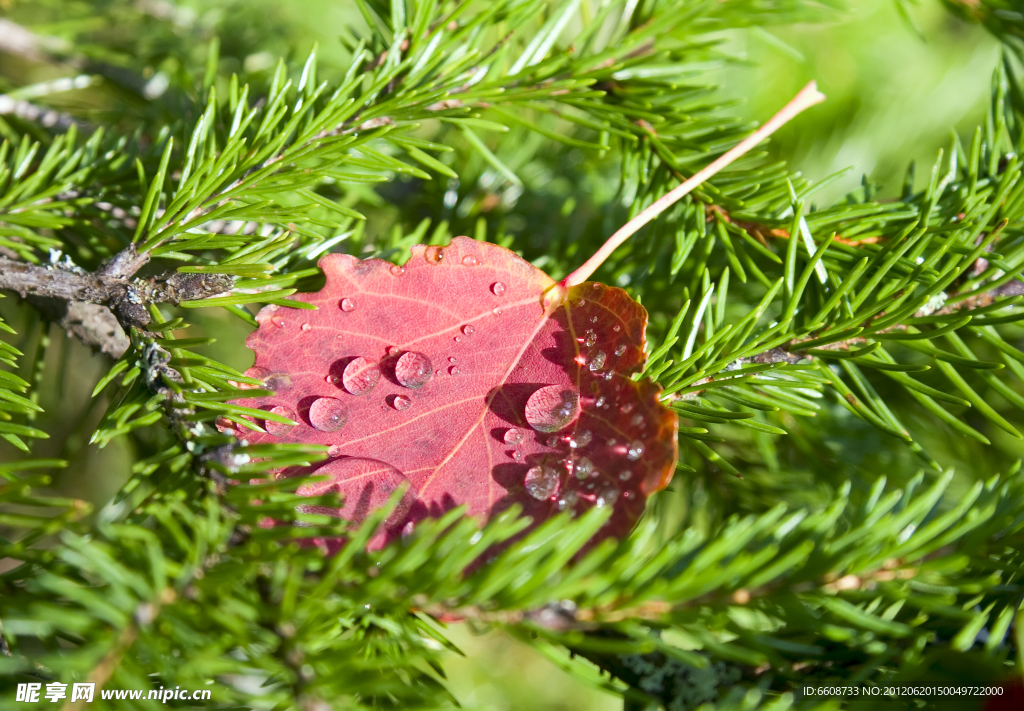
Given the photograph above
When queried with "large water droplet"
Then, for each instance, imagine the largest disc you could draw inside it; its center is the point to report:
(433, 254)
(551, 408)
(306, 327)
(469, 329)
(513, 436)
(497, 288)
(607, 495)
(397, 270)
(470, 261)
(596, 361)
(580, 439)
(328, 414)
(583, 468)
(279, 429)
(541, 482)
(277, 321)
(621, 349)
(401, 402)
(635, 451)
(590, 338)
(568, 500)
(413, 369)
(347, 305)
(360, 376)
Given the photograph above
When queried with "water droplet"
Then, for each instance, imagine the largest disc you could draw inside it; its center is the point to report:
(541, 482)
(451, 359)
(277, 321)
(596, 361)
(513, 436)
(621, 349)
(347, 305)
(583, 468)
(457, 339)
(306, 327)
(635, 451)
(590, 338)
(625, 475)
(413, 369)
(616, 328)
(638, 420)
(328, 414)
(334, 450)
(601, 401)
(551, 408)
(627, 408)
(454, 370)
(607, 495)
(496, 311)
(279, 429)
(554, 442)
(568, 500)
(469, 329)
(331, 380)
(470, 261)
(497, 288)
(278, 382)
(360, 376)
(401, 402)
(593, 319)
(517, 455)
(607, 375)
(391, 350)
(397, 270)
(581, 302)
(433, 254)
(580, 439)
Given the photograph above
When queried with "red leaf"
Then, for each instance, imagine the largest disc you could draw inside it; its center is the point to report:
(475, 377)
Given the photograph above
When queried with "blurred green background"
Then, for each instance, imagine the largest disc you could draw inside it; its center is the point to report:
(898, 81)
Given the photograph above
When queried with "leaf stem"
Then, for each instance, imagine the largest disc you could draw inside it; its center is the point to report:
(806, 98)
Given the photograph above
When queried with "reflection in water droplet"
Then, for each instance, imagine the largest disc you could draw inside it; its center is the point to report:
(596, 361)
(328, 414)
(397, 270)
(568, 500)
(590, 338)
(413, 369)
(279, 429)
(551, 408)
(635, 451)
(277, 321)
(621, 349)
(433, 254)
(306, 327)
(496, 311)
(360, 376)
(497, 288)
(580, 439)
(347, 305)
(401, 402)
(334, 450)
(625, 475)
(469, 329)
(583, 468)
(470, 261)
(454, 370)
(541, 482)
(513, 436)
(607, 495)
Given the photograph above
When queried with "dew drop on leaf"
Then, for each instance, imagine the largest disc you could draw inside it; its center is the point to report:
(580, 439)
(638, 420)
(469, 329)
(616, 328)
(590, 339)
(568, 500)
(454, 370)
(551, 408)
(635, 451)
(433, 254)
(625, 475)
(517, 455)
(347, 305)
(607, 495)
(277, 321)
(413, 369)
(334, 450)
(554, 442)
(279, 429)
(306, 328)
(397, 270)
(596, 361)
(457, 339)
(496, 311)
(360, 376)
(470, 261)
(584, 468)
(401, 402)
(513, 436)
(627, 408)
(497, 288)
(541, 482)
(601, 401)
(621, 349)
(328, 414)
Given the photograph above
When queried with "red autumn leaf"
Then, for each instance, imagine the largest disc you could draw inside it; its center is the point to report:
(474, 377)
